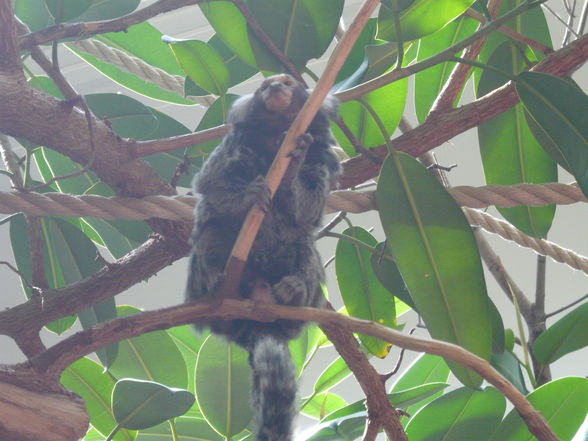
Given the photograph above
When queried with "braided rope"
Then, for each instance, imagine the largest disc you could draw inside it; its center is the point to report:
(541, 246)
(138, 67)
(181, 207)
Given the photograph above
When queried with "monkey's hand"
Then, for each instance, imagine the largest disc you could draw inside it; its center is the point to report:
(258, 193)
(297, 157)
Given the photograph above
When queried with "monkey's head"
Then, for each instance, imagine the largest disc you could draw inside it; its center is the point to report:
(277, 102)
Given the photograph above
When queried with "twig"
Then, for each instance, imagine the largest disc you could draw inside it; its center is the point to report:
(359, 148)
(556, 15)
(563, 308)
(236, 262)
(394, 371)
(267, 41)
(139, 149)
(511, 33)
(18, 273)
(583, 17)
(570, 9)
(332, 224)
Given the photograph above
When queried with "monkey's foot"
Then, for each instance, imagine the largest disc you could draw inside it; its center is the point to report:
(291, 290)
(259, 193)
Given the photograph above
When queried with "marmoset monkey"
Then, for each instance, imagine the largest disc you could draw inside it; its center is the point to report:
(283, 265)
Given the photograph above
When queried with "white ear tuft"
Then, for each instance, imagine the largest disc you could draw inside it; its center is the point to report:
(331, 106)
(240, 108)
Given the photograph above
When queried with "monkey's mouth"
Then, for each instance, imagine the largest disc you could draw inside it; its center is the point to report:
(277, 97)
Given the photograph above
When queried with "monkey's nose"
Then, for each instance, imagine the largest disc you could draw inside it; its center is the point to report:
(275, 86)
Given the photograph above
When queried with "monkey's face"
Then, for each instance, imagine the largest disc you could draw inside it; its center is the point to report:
(281, 94)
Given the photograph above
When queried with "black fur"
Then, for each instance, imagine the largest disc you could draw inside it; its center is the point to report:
(283, 265)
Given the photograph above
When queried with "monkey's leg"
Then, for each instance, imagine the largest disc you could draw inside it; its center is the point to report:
(302, 286)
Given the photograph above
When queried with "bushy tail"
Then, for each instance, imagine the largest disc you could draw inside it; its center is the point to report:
(274, 388)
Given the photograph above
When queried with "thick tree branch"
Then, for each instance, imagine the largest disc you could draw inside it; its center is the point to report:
(9, 52)
(441, 127)
(52, 362)
(139, 264)
(87, 29)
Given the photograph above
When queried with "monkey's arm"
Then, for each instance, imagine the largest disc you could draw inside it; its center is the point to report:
(230, 181)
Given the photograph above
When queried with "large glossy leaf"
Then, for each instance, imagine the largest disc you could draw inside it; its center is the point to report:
(401, 399)
(461, 414)
(153, 357)
(429, 82)
(531, 24)
(510, 152)
(562, 403)
(437, 255)
(239, 71)
(108, 9)
(425, 369)
(509, 366)
(363, 294)
(420, 18)
(186, 429)
(333, 374)
(68, 255)
(222, 386)
(142, 41)
(88, 379)
(66, 10)
(387, 102)
(388, 274)
(568, 334)
(128, 116)
(189, 344)
(138, 404)
(91, 317)
(202, 63)
(301, 29)
(323, 404)
(560, 108)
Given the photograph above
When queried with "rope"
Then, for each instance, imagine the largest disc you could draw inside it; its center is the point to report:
(138, 67)
(181, 207)
(541, 246)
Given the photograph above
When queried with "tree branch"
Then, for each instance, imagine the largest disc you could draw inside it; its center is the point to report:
(440, 128)
(9, 52)
(139, 264)
(87, 29)
(52, 362)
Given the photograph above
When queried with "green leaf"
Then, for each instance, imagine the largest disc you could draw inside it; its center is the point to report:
(139, 404)
(323, 404)
(239, 71)
(189, 344)
(336, 372)
(33, 13)
(562, 403)
(128, 116)
(68, 254)
(568, 334)
(202, 63)
(510, 152)
(421, 18)
(363, 294)
(401, 399)
(301, 29)
(347, 428)
(437, 255)
(458, 415)
(388, 274)
(87, 379)
(560, 108)
(100, 313)
(186, 428)
(153, 356)
(109, 9)
(142, 41)
(222, 386)
(429, 82)
(66, 10)
(508, 365)
(388, 103)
